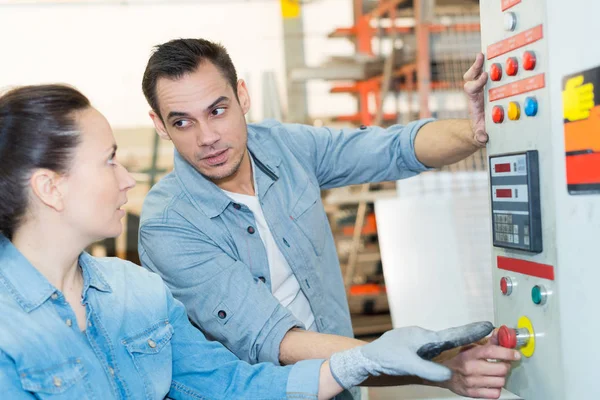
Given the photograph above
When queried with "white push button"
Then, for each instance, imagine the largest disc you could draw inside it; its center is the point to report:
(510, 21)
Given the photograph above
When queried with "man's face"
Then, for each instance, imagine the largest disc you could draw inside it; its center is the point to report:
(204, 120)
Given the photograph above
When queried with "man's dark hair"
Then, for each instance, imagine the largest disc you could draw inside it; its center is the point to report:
(178, 57)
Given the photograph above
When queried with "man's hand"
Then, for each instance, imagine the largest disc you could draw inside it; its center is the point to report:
(475, 80)
(474, 376)
(404, 351)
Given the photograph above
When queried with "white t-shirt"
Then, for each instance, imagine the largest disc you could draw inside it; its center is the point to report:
(284, 285)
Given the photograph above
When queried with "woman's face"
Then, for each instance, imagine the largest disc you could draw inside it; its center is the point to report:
(96, 183)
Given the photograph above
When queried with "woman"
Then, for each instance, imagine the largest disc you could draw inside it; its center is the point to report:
(79, 327)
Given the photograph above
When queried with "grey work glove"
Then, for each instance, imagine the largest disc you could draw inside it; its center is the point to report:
(404, 351)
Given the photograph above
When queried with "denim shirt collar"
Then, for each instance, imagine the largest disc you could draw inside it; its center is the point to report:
(207, 196)
(29, 287)
(92, 275)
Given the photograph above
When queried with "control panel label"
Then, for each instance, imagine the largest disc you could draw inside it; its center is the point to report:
(522, 39)
(519, 87)
(524, 267)
(581, 91)
(506, 4)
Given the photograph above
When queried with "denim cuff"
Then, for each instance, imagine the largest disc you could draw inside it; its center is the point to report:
(303, 381)
(269, 351)
(407, 142)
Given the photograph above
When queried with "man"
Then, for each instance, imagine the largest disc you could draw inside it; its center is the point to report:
(238, 230)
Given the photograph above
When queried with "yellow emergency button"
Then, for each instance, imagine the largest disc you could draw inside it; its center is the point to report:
(529, 348)
(514, 111)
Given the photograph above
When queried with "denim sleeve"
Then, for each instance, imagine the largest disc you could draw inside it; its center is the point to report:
(205, 369)
(355, 156)
(10, 382)
(220, 294)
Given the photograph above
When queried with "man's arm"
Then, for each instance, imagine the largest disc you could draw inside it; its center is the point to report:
(373, 154)
(220, 293)
(299, 344)
(203, 368)
(445, 142)
(473, 375)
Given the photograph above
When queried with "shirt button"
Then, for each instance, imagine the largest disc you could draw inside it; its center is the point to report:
(151, 343)
(251, 230)
(57, 382)
(90, 323)
(112, 371)
(262, 279)
(236, 206)
(69, 323)
(54, 296)
(222, 314)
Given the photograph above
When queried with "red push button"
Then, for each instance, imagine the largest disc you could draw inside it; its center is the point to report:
(507, 337)
(496, 72)
(512, 66)
(497, 114)
(506, 286)
(529, 60)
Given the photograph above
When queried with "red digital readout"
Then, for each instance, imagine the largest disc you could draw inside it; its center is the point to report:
(498, 168)
(504, 193)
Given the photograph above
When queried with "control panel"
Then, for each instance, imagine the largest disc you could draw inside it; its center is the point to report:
(516, 213)
(544, 175)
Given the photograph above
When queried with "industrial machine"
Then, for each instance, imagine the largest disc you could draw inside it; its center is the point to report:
(544, 169)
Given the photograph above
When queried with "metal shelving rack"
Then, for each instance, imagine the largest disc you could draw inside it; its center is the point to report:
(413, 77)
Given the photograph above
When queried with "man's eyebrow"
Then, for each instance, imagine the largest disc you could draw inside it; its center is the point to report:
(217, 101)
(174, 114)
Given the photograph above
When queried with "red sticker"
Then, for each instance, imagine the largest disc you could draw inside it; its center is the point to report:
(522, 39)
(526, 267)
(506, 4)
(518, 87)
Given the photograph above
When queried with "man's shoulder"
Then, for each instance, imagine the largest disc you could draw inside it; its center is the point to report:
(161, 198)
(271, 128)
(283, 139)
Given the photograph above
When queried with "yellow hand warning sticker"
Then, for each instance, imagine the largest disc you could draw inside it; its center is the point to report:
(582, 131)
(578, 99)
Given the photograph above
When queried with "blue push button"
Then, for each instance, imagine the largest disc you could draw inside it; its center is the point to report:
(531, 107)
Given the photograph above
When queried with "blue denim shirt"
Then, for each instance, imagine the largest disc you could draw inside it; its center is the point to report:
(201, 243)
(138, 343)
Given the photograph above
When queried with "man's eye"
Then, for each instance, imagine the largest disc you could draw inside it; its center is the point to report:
(218, 111)
(181, 124)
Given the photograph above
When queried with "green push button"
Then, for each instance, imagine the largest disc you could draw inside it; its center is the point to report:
(538, 295)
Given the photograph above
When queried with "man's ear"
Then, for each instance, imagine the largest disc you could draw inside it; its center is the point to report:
(48, 187)
(243, 96)
(160, 127)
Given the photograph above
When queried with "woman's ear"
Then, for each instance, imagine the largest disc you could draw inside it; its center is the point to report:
(48, 187)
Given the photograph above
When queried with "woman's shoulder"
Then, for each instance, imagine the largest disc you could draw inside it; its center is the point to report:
(116, 271)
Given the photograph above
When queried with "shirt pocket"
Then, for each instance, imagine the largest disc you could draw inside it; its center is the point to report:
(62, 381)
(309, 216)
(151, 353)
